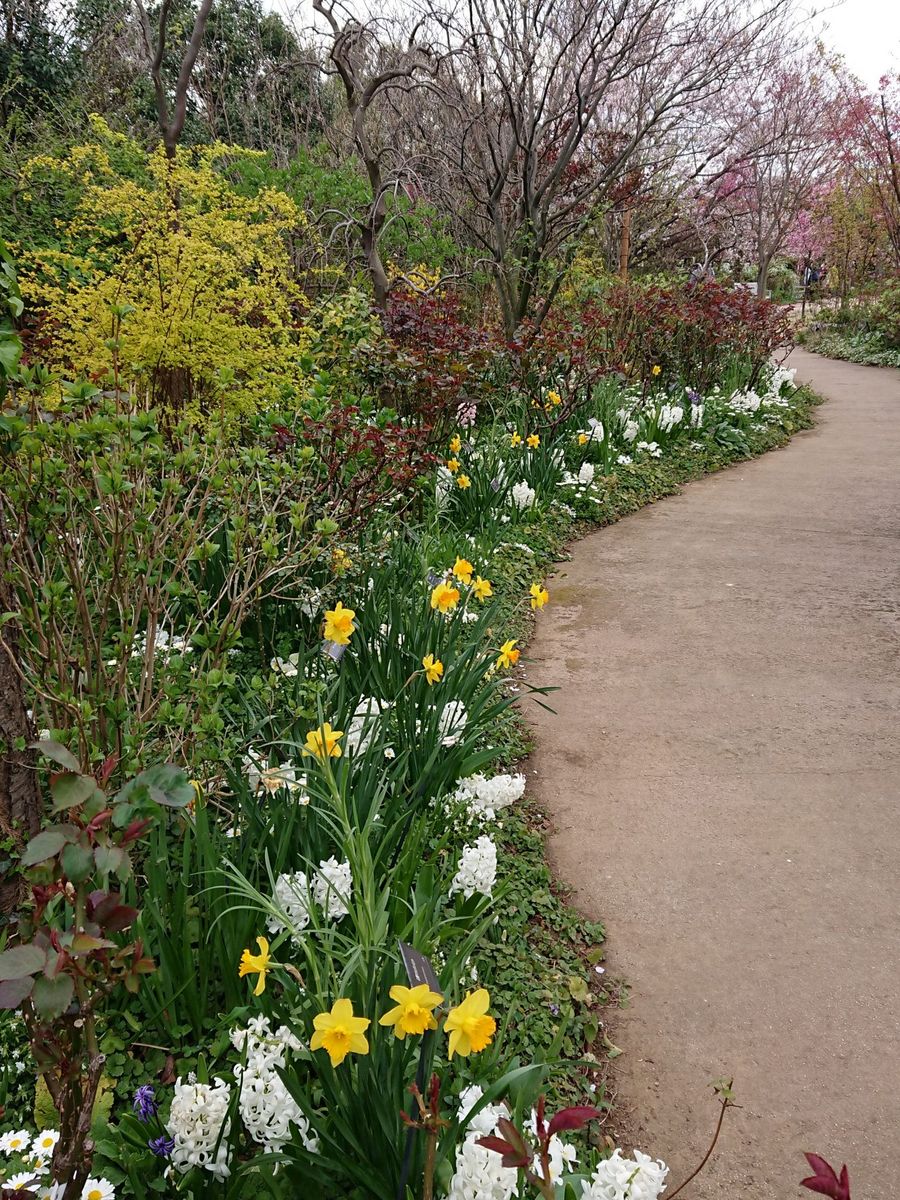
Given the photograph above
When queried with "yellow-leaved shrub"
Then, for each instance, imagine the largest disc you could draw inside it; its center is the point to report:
(168, 282)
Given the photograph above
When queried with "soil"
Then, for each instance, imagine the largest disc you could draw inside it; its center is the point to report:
(723, 774)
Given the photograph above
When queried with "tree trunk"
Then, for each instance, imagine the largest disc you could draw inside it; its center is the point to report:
(762, 276)
(20, 797)
(625, 243)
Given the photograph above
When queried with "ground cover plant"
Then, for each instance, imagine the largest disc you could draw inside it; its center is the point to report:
(288, 916)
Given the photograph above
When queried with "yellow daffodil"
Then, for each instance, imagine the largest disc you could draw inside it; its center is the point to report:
(656, 370)
(582, 439)
(533, 441)
(554, 397)
(469, 1026)
(463, 481)
(340, 561)
(339, 624)
(444, 597)
(340, 1033)
(508, 656)
(539, 595)
(455, 444)
(413, 1013)
(482, 588)
(434, 668)
(453, 465)
(323, 742)
(252, 964)
(463, 569)
(516, 439)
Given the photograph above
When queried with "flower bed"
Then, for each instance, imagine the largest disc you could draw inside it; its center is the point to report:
(365, 984)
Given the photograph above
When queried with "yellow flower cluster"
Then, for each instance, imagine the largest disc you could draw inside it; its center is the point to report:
(339, 1032)
(445, 595)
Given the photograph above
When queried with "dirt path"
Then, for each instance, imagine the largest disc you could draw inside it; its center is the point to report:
(724, 778)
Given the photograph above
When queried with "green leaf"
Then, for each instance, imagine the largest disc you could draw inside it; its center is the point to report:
(578, 989)
(109, 859)
(77, 861)
(14, 991)
(21, 961)
(51, 997)
(167, 784)
(44, 846)
(69, 790)
(58, 753)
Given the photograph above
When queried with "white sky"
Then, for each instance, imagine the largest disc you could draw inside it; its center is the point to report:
(866, 32)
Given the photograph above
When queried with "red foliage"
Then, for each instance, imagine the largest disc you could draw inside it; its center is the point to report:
(825, 1180)
(437, 361)
(362, 461)
(686, 332)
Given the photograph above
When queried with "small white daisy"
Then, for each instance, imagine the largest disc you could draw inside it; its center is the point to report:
(45, 1141)
(98, 1189)
(15, 1143)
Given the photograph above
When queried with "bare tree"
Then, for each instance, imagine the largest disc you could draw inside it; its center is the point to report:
(171, 115)
(371, 68)
(546, 105)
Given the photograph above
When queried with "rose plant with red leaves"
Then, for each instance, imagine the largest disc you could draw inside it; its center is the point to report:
(67, 956)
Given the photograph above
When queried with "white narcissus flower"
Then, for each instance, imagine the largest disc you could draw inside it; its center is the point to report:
(98, 1189)
(263, 777)
(477, 871)
(618, 1178)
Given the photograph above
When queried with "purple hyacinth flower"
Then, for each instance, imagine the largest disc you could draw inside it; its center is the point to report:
(162, 1146)
(144, 1102)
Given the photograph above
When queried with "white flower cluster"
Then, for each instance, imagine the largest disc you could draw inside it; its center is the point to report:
(652, 449)
(618, 1178)
(631, 430)
(486, 797)
(670, 415)
(697, 411)
(562, 1155)
(480, 1173)
(331, 889)
(477, 871)
(363, 725)
(266, 1106)
(197, 1118)
(522, 496)
(584, 478)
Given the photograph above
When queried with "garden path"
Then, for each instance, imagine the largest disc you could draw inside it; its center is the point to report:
(723, 776)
